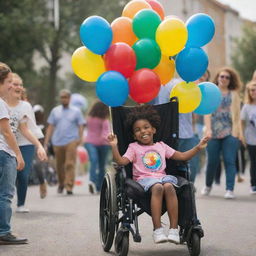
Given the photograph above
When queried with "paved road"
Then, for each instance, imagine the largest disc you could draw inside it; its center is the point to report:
(61, 225)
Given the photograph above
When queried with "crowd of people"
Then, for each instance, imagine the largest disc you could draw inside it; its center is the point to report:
(27, 143)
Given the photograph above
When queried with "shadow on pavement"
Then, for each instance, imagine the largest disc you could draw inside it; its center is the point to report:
(38, 214)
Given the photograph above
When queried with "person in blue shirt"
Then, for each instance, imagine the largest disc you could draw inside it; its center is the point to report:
(65, 129)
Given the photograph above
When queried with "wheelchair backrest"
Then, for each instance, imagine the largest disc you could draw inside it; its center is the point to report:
(168, 131)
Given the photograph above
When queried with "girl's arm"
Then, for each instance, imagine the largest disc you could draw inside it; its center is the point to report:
(184, 156)
(242, 135)
(28, 135)
(112, 139)
(207, 123)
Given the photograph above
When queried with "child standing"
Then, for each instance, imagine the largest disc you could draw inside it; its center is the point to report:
(248, 117)
(149, 165)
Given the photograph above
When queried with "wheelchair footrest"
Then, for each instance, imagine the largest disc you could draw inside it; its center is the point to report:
(137, 238)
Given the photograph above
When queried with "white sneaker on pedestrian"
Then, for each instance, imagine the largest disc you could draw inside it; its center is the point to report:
(159, 236)
(22, 209)
(173, 236)
(206, 191)
(253, 190)
(229, 194)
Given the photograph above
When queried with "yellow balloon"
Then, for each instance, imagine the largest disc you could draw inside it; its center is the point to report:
(87, 65)
(165, 69)
(189, 96)
(171, 36)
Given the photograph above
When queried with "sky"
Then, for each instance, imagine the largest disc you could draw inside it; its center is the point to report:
(246, 8)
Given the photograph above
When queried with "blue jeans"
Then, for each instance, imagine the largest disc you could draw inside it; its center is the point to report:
(185, 145)
(229, 147)
(8, 174)
(28, 153)
(98, 157)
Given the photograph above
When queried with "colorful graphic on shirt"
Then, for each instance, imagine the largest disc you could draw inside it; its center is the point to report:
(152, 160)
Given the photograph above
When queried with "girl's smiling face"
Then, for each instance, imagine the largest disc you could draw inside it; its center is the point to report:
(144, 132)
(16, 88)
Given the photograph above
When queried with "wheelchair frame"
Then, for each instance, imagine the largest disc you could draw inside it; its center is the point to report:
(118, 212)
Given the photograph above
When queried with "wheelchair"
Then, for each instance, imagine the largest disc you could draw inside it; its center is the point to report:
(123, 200)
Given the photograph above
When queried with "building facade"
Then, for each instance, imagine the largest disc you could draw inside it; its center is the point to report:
(228, 26)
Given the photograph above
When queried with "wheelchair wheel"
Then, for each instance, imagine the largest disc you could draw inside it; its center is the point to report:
(108, 210)
(122, 243)
(194, 244)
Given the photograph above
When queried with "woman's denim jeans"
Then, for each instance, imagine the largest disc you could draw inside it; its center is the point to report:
(8, 174)
(28, 153)
(98, 157)
(229, 147)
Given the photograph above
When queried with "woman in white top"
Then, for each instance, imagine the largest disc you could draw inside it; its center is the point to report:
(248, 117)
(27, 137)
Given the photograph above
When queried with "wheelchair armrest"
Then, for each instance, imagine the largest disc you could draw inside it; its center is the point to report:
(182, 181)
(134, 189)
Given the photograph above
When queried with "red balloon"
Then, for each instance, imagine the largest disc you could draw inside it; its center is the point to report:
(157, 7)
(121, 57)
(144, 85)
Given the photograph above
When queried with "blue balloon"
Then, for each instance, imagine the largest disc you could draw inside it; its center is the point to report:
(191, 64)
(96, 34)
(211, 98)
(112, 88)
(201, 29)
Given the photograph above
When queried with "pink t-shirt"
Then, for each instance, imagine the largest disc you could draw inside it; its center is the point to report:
(98, 130)
(148, 161)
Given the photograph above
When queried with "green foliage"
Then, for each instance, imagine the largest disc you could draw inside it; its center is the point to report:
(244, 58)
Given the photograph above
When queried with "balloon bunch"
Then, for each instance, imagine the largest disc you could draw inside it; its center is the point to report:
(138, 52)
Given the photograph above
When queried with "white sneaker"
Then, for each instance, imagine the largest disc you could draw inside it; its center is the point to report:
(174, 236)
(206, 191)
(22, 209)
(229, 195)
(253, 190)
(159, 236)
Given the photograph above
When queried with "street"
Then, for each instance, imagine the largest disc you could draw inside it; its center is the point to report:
(61, 225)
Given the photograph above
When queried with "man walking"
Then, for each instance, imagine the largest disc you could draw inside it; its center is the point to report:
(65, 129)
(10, 160)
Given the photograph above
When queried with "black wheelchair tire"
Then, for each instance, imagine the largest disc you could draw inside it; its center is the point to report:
(122, 243)
(194, 244)
(107, 212)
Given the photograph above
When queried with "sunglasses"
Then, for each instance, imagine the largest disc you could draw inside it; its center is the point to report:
(226, 77)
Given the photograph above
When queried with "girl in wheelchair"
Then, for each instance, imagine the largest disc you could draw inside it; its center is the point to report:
(149, 165)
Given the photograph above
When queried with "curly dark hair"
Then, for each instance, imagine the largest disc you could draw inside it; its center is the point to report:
(145, 112)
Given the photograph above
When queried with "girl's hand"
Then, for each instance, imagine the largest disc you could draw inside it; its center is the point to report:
(203, 142)
(41, 154)
(242, 139)
(112, 139)
(208, 133)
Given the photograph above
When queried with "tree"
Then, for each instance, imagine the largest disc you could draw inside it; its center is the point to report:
(27, 28)
(244, 58)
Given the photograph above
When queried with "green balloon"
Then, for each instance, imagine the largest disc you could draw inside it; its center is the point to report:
(148, 53)
(145, 24)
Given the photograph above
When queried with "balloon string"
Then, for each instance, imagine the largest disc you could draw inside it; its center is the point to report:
(111, 121)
